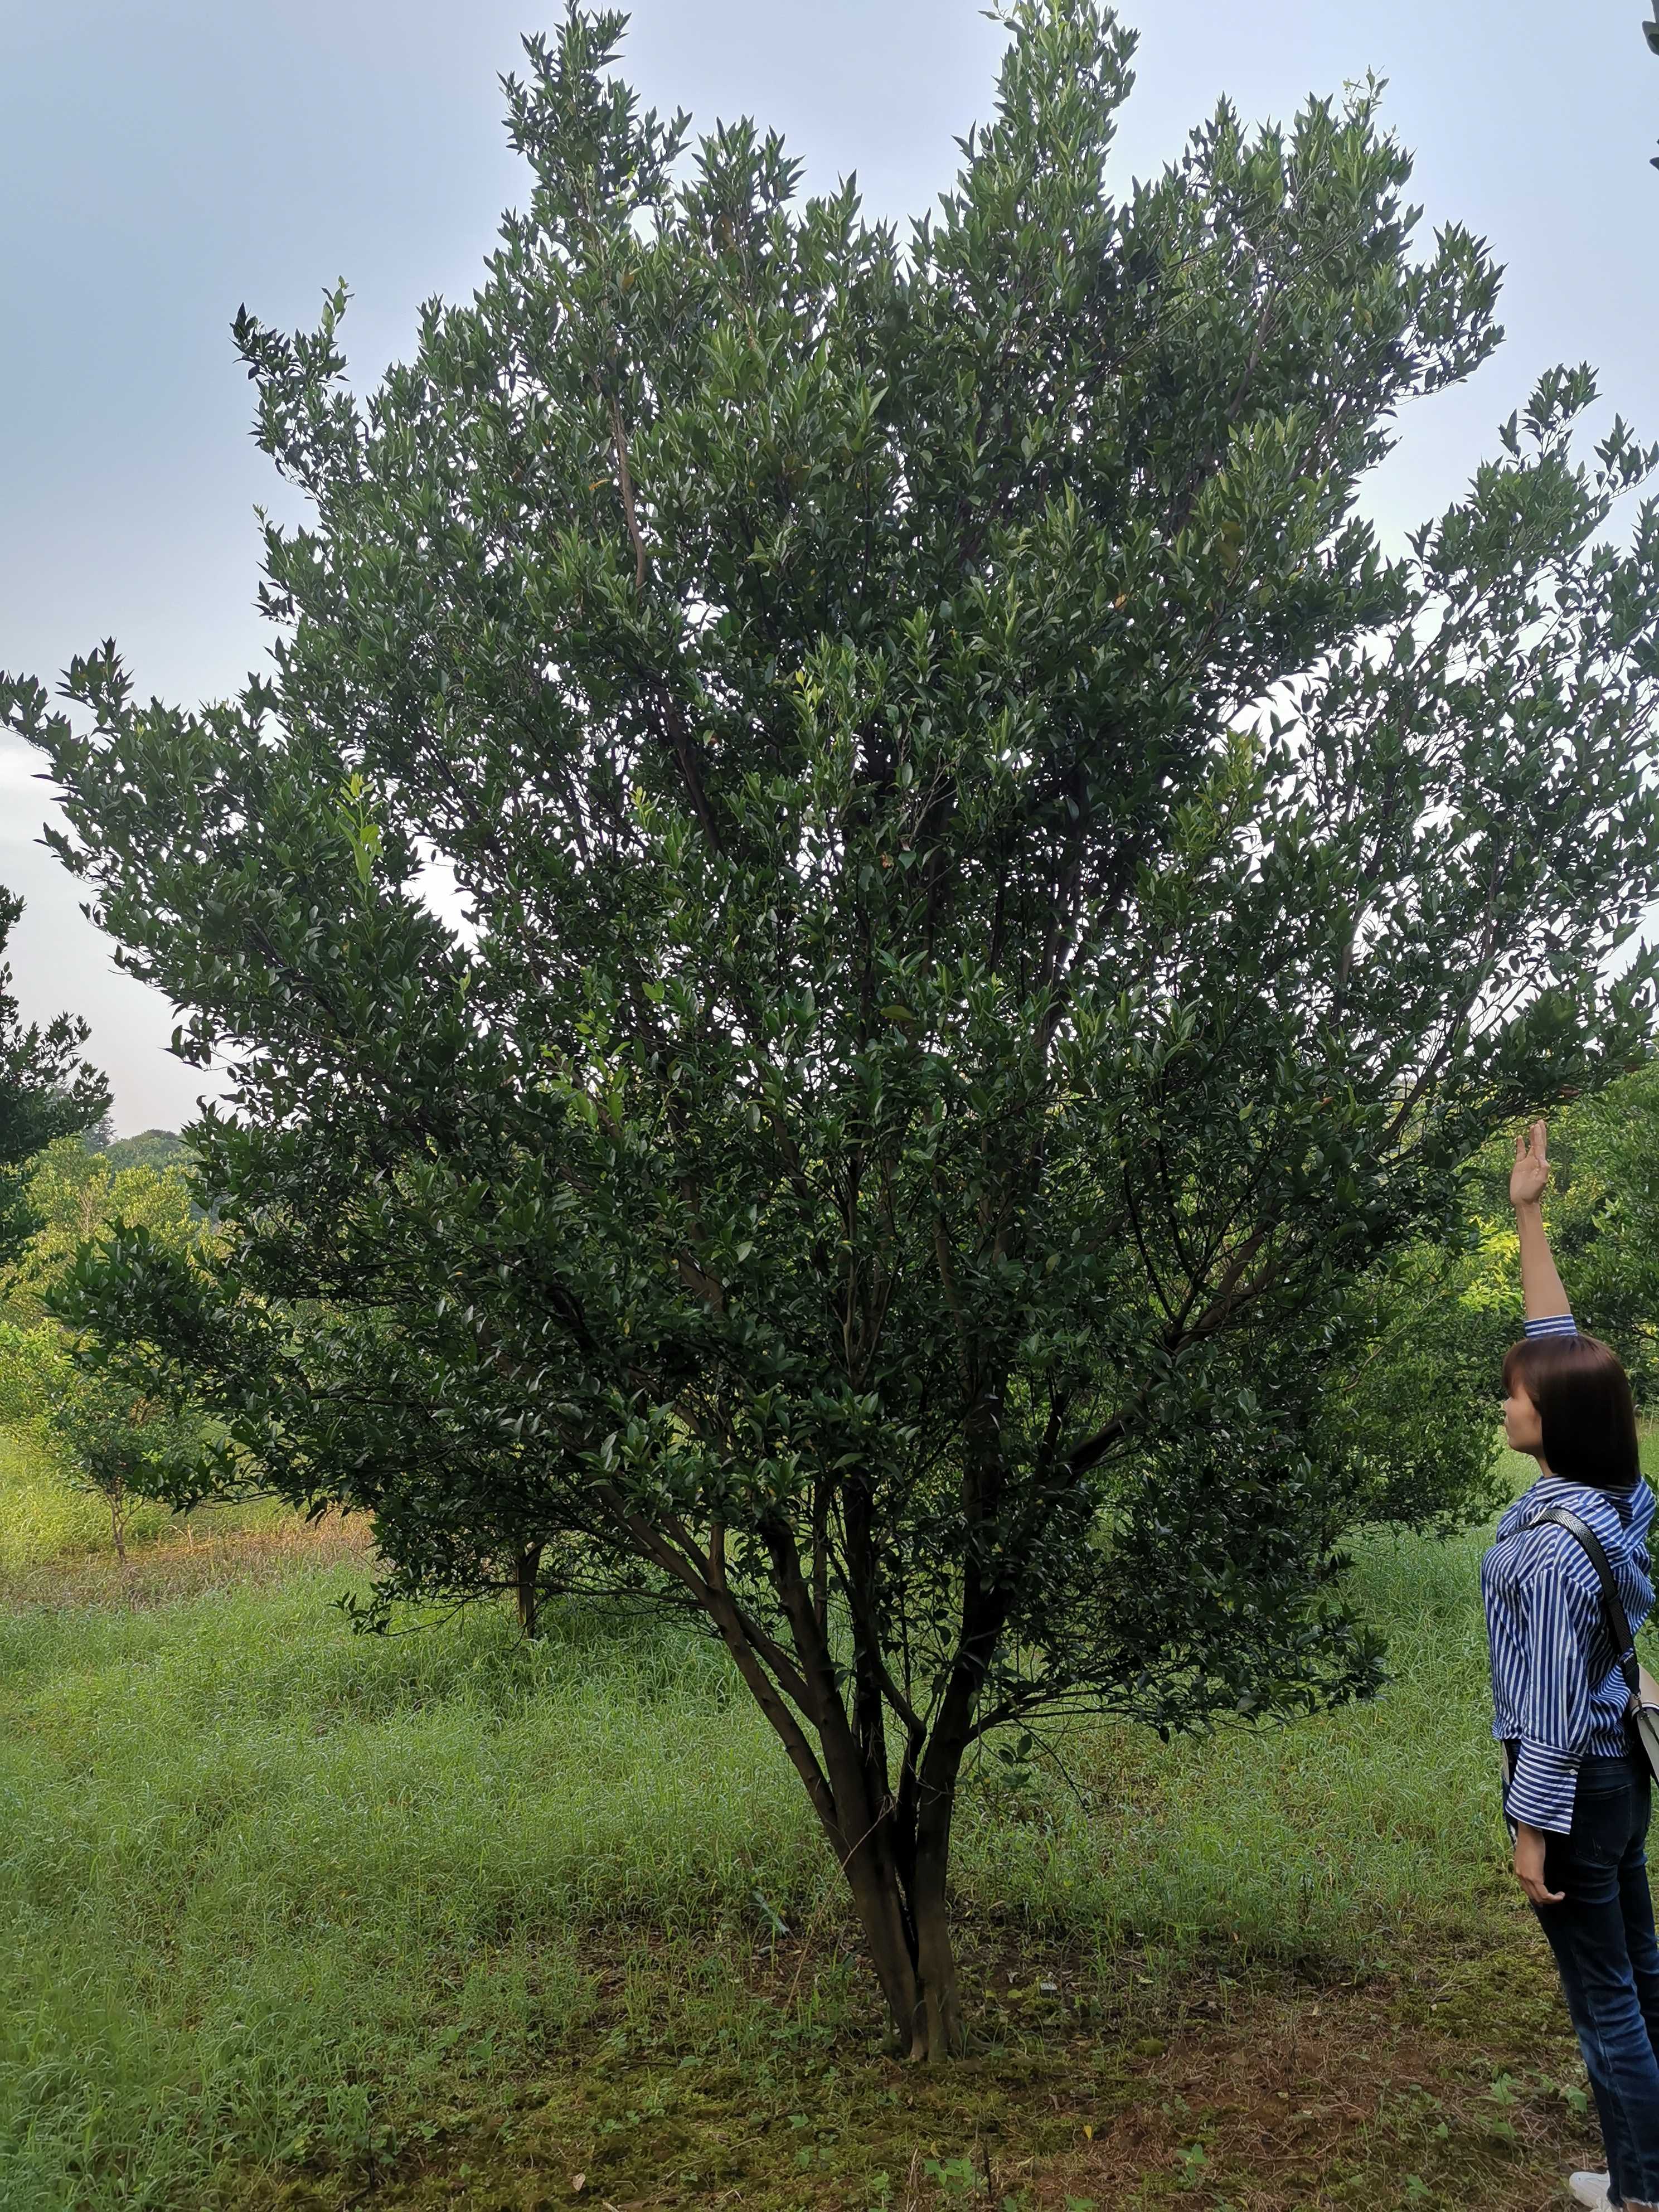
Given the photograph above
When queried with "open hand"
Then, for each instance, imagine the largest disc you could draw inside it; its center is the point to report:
(1529, 1859)
(1531, 1170)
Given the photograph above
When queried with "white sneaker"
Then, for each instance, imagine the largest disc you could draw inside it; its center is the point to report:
(1590, 2189)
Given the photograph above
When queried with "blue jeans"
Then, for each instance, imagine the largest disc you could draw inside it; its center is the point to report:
(1603, 1939)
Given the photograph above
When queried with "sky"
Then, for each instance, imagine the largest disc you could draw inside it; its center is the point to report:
(164, 160)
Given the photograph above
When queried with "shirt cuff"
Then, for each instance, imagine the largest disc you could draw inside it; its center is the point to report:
(1542, 1787)
(1551, 1325)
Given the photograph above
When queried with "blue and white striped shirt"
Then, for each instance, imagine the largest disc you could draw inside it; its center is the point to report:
(1556, 1689)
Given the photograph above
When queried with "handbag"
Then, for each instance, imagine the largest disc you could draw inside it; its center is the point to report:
(1642, 1713)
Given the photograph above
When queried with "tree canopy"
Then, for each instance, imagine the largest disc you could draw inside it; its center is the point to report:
(150, 1148)
(75, 1195)
(988, 912)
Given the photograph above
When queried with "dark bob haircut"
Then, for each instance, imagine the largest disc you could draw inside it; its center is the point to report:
(1584, 1401)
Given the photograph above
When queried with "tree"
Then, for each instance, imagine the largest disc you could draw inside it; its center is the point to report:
(36, 1370)
(107, 1430)
(1409, 1406)
(993, 913)
(150, 1148)
(46, 1091)
(1604, 1223)
(74, 1197)
(121, 1444)
(1608, 1218)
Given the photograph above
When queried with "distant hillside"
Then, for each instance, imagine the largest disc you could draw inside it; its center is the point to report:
(155, 1148)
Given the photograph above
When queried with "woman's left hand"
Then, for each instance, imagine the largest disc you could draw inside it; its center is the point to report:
(1529, 1866)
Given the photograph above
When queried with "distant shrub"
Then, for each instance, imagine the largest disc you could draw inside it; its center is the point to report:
(35, 1372)
(120, 1443)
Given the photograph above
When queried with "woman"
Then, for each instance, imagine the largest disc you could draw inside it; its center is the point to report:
(1575, 1789)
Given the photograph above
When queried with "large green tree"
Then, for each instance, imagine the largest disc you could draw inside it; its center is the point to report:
(46, 1091)
(986, 912)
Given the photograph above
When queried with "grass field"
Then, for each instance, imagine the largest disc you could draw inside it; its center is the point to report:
(294, 1918)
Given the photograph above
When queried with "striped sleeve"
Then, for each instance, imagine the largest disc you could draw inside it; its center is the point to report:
(1542, 1787)
(1555, 1702)
(1551, 1325)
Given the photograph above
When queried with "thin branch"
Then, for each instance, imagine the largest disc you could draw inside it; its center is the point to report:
(625, 483)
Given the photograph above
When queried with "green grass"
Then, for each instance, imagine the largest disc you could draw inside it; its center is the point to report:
(266, 1885)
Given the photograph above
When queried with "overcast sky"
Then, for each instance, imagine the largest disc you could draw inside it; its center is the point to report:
(162, 161)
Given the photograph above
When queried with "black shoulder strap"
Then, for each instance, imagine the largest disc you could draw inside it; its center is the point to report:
(1612, 1604)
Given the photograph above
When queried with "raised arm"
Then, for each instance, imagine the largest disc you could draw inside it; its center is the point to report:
(1542, 1296)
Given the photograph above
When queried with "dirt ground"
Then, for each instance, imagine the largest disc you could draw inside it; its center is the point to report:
(1450, 2082)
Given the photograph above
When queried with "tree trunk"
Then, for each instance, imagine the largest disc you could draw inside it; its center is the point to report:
(876, 1837)
(524, 1582)
(879, 1900)
(936, 1958)
(900, 1897)
(118, 1519)
(918, 1823)
(908, 1934)
(893, 1851)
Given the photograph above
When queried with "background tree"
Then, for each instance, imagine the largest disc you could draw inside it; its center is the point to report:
(993, 913)
(1604, 1222)
(46, 1091)
(121, 1444)
(150, 1148)
(106, 1430)
(1407, 1402)
(75, 1195)
(35, 1371)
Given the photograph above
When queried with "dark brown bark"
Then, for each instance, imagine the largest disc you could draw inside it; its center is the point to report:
(861, 1799)
(524, 1569)
(936, 1956)
(897, 1858)
(901, 1891)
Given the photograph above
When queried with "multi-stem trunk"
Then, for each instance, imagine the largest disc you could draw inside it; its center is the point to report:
(898, 1890)
(906, 1919)
(894, 1848)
